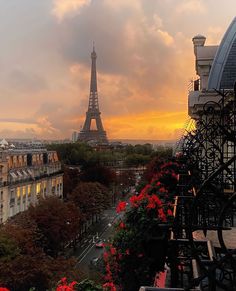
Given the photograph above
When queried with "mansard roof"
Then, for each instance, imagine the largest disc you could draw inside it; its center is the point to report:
(223, 70)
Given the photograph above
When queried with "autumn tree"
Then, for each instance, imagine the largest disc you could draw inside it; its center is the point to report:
(23, 263)
(70, 180)
(58, 222)
(91, 198)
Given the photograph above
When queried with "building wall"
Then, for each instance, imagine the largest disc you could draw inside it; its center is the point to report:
(26, 175)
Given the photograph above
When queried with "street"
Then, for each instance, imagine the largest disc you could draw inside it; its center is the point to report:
(87, 253)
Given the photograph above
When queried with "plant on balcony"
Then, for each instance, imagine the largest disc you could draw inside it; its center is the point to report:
(139, 247)
(63, 285)
(85, 285)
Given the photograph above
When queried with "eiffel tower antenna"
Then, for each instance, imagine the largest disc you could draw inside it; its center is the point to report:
(88, 134)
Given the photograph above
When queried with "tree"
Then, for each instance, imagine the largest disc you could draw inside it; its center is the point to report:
(145, 149)
(58, 222)
(162, 152)
(91, 198)
(98, 173)
(135, 160)
(70, 180)
(72, 154)
(22, 267)
(23, 264)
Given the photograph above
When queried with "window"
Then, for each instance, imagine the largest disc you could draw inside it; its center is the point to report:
(38, 188)
(45, 187)
(29, 190)
(18, 193)
(12, 198)
(12, 194)
(23, 193)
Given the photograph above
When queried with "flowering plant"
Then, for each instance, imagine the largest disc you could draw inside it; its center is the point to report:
(63, 285)
(139, 246)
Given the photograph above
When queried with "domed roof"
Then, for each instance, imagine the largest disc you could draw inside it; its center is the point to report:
(3, 142)
(223, 70)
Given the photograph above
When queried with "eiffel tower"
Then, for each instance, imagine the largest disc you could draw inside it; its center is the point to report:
(88, 134)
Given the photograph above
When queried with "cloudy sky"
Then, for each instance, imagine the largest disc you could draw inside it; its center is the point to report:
(145, 62)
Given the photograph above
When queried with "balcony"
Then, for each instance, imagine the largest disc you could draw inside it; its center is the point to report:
(12, 202)
(197, 100)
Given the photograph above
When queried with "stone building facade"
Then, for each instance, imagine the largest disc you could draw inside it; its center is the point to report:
(26, 175)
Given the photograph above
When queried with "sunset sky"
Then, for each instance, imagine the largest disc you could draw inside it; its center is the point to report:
(145, 62)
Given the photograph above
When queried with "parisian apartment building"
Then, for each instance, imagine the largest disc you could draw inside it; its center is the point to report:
(26, 174)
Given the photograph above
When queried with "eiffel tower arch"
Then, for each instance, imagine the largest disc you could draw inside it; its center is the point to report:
(87, 134)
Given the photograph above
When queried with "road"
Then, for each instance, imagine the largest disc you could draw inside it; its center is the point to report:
(103, 230)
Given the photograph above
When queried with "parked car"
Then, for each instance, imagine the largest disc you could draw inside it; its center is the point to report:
(94, 261)
(99, 244)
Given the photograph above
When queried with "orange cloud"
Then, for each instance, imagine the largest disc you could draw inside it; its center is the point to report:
(148, 125)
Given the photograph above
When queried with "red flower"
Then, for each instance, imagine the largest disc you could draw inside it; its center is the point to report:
(162, 215)
(108, 277)
(145, 190)
(63, 281)
(72, 284)
(121, 206)
(169, 212)
(63, 285)
(109, 285)
(105, 256)
(113, 251)
(4, 289)
(162, 190)
(151, 204)
(122, 225)
(134, 200)
(157, 200)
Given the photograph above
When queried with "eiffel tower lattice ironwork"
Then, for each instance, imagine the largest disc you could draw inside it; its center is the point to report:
(88, 134)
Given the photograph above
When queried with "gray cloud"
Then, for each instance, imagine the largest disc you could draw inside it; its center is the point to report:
(26, 82)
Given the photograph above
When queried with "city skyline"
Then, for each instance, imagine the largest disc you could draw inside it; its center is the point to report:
(145, 62)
